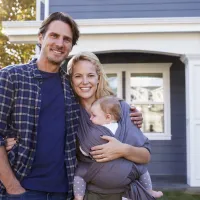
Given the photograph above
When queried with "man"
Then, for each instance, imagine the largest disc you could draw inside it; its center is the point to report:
(36, 99)
(38, 108)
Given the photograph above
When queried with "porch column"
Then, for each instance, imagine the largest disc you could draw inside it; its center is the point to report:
(192, 74)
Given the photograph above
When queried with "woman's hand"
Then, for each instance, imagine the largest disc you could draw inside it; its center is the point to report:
(136, 117)
(10, 142)
(114, 149)
(109, 151)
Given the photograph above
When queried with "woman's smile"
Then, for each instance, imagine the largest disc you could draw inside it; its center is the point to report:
(85, 80)
(85, 89)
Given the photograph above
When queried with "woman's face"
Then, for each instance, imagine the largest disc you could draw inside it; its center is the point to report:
(85, 80)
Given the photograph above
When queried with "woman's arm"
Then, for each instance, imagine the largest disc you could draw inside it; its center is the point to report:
(136, 154)
(114, 149)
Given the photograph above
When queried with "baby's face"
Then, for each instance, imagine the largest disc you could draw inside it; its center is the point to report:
(97, 115)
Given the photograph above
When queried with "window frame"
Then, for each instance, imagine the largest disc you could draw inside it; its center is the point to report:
(163, 68)
(115, 69)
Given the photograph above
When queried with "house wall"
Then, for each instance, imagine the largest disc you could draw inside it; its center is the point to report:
(168, 156)
(87, 9)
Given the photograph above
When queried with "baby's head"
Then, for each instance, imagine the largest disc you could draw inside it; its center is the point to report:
(105, 110)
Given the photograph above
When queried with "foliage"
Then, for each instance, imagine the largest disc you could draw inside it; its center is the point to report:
(15, 10)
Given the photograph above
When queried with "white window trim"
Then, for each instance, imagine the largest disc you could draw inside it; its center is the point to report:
(46, 8)
(146, 67)
(38, 9)
(154, 68)
(111, 69)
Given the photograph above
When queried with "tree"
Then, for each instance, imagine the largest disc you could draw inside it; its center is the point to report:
(15, 10)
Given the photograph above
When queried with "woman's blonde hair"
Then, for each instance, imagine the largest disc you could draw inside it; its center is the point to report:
(103, 88)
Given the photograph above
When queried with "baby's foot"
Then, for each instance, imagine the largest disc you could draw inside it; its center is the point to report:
(155, 194)
(78, 198)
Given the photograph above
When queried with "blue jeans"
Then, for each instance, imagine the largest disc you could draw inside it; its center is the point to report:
(37, 195)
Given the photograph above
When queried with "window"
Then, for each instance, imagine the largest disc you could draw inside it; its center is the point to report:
(146, 92)
(149, 90)
(114, 77)
(113, 81)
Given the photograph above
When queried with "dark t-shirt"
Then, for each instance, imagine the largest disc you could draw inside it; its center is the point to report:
(48, 171)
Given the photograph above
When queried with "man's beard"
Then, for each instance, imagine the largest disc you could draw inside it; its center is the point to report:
(55, 62)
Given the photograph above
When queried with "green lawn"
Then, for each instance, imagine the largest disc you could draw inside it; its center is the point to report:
(178, 195)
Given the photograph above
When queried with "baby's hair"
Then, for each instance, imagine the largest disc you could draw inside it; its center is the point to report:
(110, 105)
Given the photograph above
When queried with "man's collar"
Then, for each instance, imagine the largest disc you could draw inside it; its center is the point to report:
(36, 72)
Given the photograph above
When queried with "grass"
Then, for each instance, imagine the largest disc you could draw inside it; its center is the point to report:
(179, 195)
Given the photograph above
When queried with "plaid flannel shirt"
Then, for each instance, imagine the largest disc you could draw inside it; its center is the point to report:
(20, 97)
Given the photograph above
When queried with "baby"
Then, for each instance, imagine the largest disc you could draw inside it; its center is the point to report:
(106, 112)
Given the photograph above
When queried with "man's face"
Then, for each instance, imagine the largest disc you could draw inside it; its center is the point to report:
(56, 44)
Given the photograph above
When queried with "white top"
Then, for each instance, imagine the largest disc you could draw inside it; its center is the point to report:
(112, 127)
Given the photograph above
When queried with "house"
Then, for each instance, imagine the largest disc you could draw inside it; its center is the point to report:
(151, 54)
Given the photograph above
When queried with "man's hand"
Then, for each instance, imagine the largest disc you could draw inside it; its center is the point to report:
(136, 117)
(109, 151)
(7, 176)
(15, 189)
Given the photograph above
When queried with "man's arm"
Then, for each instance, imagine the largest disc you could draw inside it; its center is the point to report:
(136, 116)
(7, 176)
(115, 149)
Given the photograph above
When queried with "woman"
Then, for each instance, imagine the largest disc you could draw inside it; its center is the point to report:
(89, 83)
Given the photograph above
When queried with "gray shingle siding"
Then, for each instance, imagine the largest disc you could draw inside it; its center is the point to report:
(85, 9)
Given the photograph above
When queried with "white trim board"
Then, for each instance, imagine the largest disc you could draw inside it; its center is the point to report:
(38, 10)
(192, 72)
(165, 43)
(46, 8)
(139, 25)
(111, 69)
(14, 29)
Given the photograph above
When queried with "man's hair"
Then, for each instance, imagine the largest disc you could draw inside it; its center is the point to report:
(63, 17)
(110, 105)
